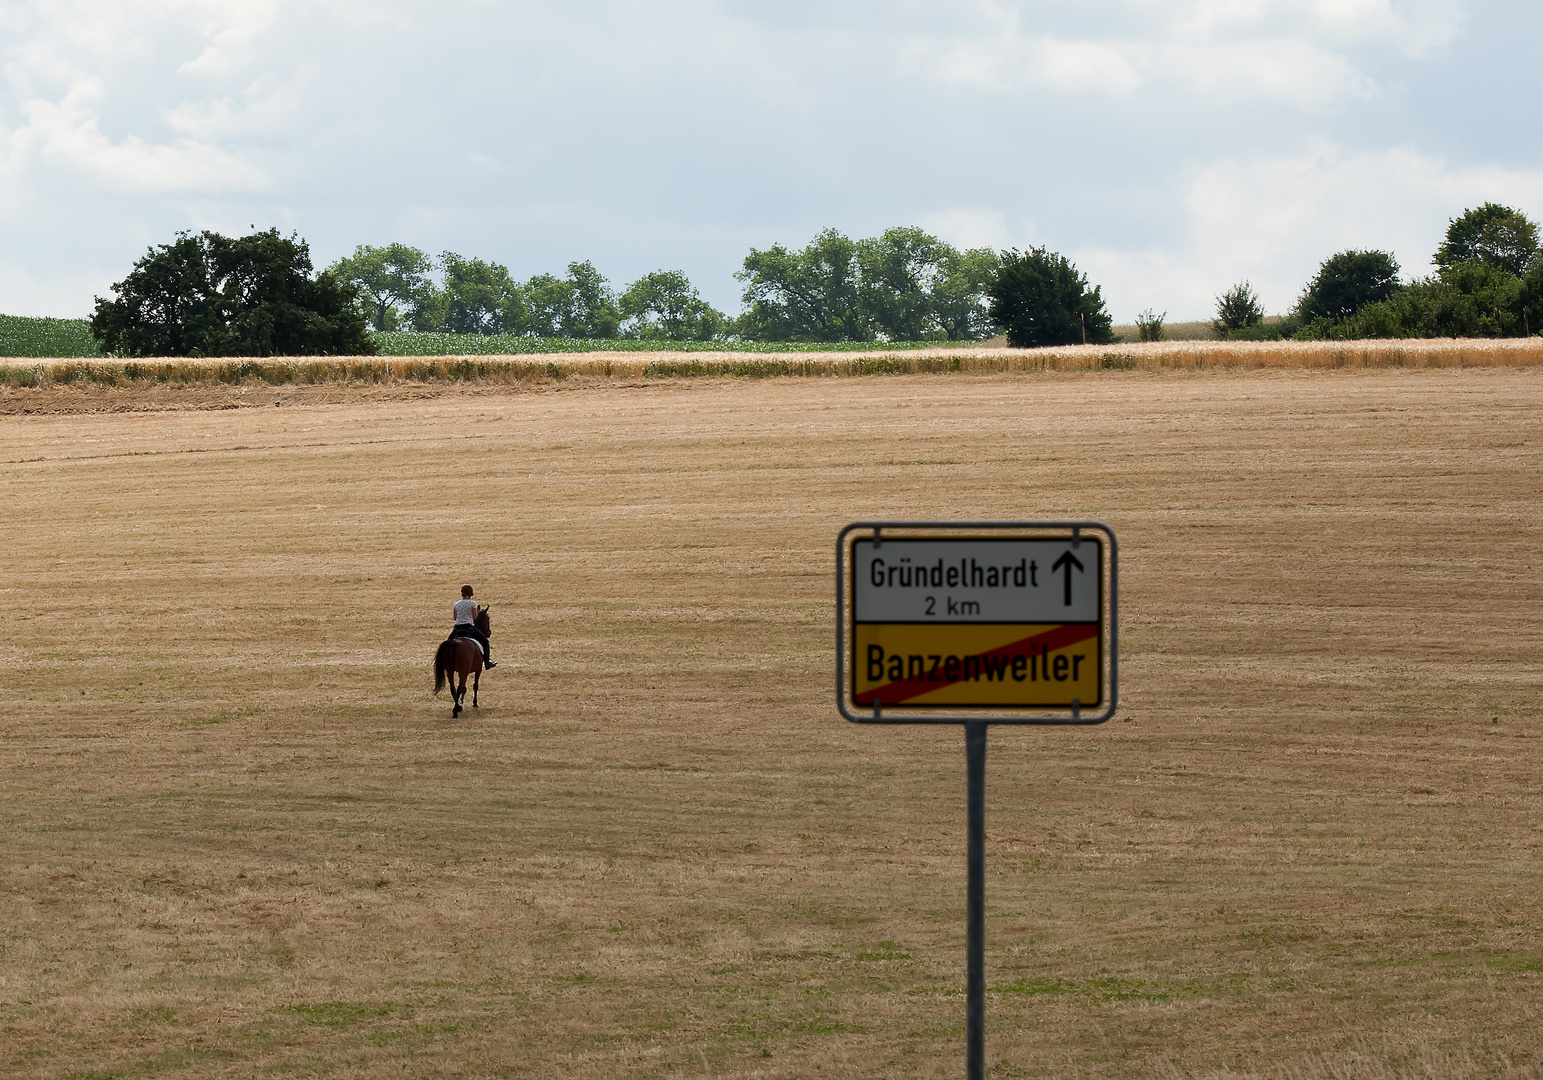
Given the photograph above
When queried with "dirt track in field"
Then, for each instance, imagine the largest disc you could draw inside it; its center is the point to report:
(240, 836)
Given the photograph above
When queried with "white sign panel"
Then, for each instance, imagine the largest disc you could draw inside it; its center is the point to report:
(976, 581)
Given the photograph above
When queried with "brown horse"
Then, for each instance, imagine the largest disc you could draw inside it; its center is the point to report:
(461, 656)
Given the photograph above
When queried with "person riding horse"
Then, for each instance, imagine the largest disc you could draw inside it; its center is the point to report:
(466, 625)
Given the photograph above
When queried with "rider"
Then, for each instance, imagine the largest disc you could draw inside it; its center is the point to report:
(466, 624)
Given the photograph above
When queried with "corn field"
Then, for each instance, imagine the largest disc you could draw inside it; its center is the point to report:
(23, 336)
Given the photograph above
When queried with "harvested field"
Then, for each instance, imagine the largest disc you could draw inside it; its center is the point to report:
(240, 837)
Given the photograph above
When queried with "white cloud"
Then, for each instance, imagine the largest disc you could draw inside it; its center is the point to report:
(266, 106)
(1294, 72)
(1300, 52)
(232, 30)
(1414, 27)
(67, 133)
(683, 132)
(1008, 62)
(1273, 220)
(972, 227)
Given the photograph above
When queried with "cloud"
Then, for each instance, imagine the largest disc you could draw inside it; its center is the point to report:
(1170, 146)
(67, 133)
(1009, 62)
(1414, 27)
(1274, 219)
(1299, 52)
(973, 227)
(268, 105)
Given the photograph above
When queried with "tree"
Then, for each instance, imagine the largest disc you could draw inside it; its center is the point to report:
(811, 294)
(551, 302)
(1040, 299)
(1492, 234)
(665, 306)
(480, 297)
(1347, 282)
(594, 304)
(213, 295)
(1472, 299)
(959, 293)
(1532, 300)
(578, 306)
(1237, 309)
(899, 272)
(387, 278)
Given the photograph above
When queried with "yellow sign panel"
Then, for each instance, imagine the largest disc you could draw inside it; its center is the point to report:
(1011, 664)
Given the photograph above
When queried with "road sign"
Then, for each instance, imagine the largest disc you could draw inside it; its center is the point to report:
(976, 623)
(977, 618)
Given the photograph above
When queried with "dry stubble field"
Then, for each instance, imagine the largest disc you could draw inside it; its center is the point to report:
(240, 837)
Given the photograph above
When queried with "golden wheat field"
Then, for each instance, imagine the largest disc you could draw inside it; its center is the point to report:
(241, 838)
(96, 375)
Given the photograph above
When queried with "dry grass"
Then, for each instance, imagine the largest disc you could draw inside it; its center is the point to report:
(1443, 353)
(240, 837)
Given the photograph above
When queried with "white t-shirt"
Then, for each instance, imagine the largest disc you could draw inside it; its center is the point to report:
(465, 611)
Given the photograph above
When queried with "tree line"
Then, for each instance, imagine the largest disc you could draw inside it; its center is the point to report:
(1488, 282)
(209, 295)
(904, 285)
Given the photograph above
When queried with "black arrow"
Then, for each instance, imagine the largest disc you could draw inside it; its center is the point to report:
(1067, 560)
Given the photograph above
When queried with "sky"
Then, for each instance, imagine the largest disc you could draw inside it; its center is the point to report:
(1170, 148)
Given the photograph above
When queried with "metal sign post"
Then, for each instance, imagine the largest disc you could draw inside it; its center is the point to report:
(977, 623)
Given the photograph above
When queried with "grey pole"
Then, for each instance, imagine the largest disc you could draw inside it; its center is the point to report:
(975, 926)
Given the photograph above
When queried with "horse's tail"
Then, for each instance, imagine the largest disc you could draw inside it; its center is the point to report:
(441, 661)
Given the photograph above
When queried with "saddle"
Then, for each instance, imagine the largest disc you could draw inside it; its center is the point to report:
(456, 635)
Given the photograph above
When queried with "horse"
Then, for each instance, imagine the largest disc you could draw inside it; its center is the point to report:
(461, 656)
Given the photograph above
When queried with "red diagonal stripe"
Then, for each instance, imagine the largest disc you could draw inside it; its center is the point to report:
(896, 693)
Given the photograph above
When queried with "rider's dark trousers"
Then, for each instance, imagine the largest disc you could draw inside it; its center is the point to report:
(468, 630)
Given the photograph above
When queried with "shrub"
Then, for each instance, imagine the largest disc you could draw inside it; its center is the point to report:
(1039, 298)
(1149, 326)
(1347, 282)
(1237, 309)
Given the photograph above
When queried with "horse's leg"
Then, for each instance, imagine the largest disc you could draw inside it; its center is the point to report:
(476, 681)
(459, 693)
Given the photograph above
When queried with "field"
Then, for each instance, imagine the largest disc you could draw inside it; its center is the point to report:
(94, 382)
(241, 838)
(23, 336)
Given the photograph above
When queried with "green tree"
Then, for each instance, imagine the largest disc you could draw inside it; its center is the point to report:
(551, 301)
(1347, 282)
(1471, 299)
(1532, 300)
(1491, 234)
(898, 273)
(481, 298)
(388, 279)
(665, 306)
(1039, 298)
(959, 293)
(810, 294)
(213, 295)
(594, 304)
(581, 305)
(1237, 309)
